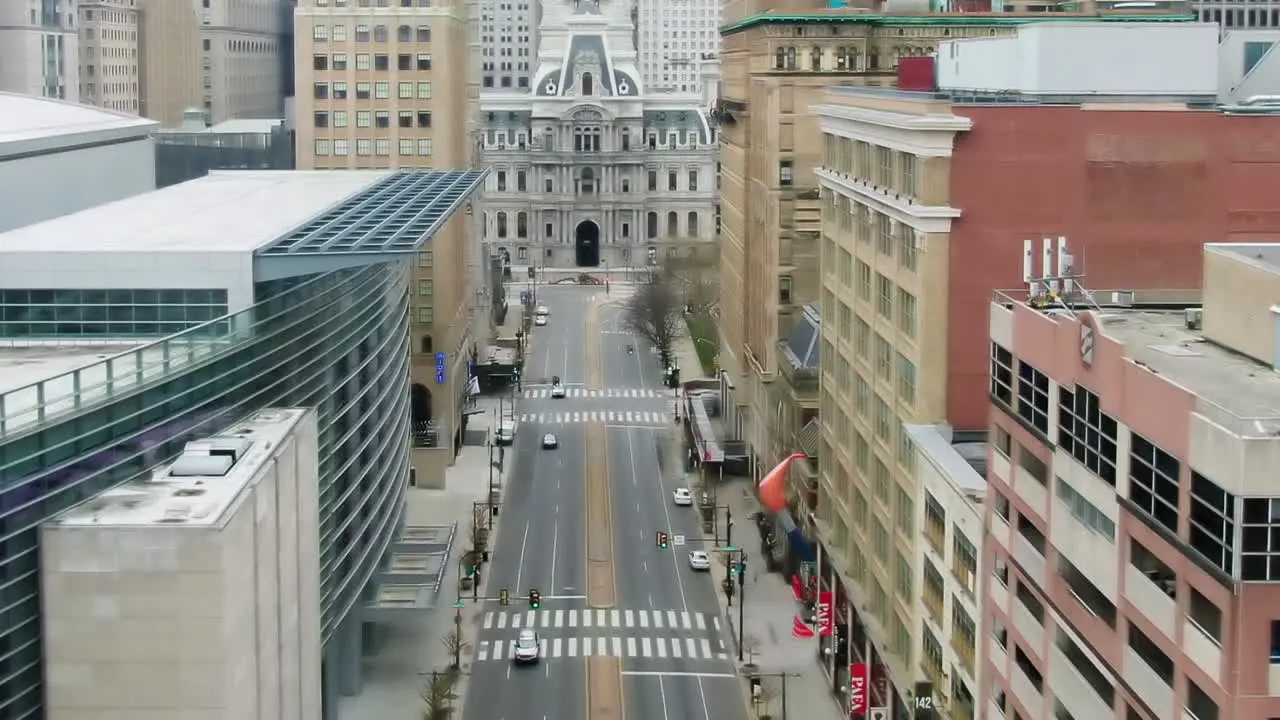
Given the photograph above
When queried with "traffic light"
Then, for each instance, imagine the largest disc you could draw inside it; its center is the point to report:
(535, 599)
(664, 540)
(504, 597)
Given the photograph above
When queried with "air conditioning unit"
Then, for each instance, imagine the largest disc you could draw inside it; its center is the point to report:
(1194, 318)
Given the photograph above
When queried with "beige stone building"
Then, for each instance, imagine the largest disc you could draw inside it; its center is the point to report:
(389, 87)
(168, 60)
(109, 76)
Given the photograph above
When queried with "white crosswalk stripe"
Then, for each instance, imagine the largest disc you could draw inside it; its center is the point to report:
(657, 619)
(606, 417)
(584, 393)
(611, 646)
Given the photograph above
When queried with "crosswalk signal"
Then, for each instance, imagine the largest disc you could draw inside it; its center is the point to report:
(664, 540)
(535, 599)
(504, 597)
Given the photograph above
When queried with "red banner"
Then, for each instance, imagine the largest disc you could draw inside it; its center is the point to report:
(826, 618)
(859, 702)
(797, 588)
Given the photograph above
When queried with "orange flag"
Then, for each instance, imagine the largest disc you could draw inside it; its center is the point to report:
(773, 488)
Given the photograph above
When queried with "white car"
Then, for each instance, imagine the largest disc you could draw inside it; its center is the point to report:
(550, 442)
(682, 497)
(541, 311)
(699, 560)
(557, 391)
(540, 320)
(527, 647)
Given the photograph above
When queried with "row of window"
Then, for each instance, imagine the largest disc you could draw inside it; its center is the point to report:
(371, 147)
(374, 118)
(521, 184)
(380, 90)
(380, 62)
(692, 227)
(891, 237)
(365, 33)
(373, 3)
(893, 172)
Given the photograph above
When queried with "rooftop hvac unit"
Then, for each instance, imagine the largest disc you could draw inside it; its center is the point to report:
(1194, 317)
(229, 446)
(201, 465)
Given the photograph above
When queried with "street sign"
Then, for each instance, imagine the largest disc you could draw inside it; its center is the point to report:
(678, 540)
(459, 605)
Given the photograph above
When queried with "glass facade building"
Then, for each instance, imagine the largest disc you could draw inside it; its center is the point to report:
(337, 341)
(115, 313)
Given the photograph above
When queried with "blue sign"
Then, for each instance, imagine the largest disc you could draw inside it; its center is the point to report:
(441, 358)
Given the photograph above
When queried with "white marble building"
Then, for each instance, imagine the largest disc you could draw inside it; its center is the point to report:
(589, 170)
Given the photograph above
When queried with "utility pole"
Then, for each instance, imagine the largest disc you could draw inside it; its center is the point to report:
(742, 605)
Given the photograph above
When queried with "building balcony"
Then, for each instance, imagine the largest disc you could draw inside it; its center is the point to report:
(1030, 559)
(1150, 599)
(932, 598)
(1026, 692)
(1153, 690)
(1031, 629)
(1073, 691)
(1204, 651)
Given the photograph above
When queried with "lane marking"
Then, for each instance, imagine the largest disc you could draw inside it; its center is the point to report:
(523, 544)
(555, 541)
(660, 673)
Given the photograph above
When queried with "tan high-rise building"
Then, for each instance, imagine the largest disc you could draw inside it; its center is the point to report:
(240, 62)
(168, 60)
(387, 87)
(109, 54)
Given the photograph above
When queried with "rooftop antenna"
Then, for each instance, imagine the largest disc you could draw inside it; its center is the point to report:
(1058, 282)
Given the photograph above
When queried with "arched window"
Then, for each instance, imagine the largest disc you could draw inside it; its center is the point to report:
(380, 33)
(428, 345)
(502, 224)
(815, 59)
(692, 230)
(548, 139)
(780, 59)
(522, 224)
(651, 225)
(404, 33)
(791, 58)
(673, 224)
(586, 84)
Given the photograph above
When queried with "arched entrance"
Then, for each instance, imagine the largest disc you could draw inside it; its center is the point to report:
(586, 241)
(420, 415)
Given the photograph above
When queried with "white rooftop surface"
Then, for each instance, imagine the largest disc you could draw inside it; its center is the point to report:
(25, 118)
(226, 211)
(23, 366)
(185, 502)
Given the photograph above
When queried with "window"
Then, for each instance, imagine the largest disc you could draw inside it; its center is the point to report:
(1205, 614)
(1033, 397)
(404, 61)
(423, 61)
(340, 91)
(339, 61)
(906, 313)
(933, 591)
(1029, 669)
(364, 118)
(426, 315)
(653, 181)
(522, 225)
(502, 224)
(651, 225)
(426, 259)
(320, 90)
(692, 231)
(362, 61)
(319, 33)
(380, 33)
(1260, 539)
(340, 148)
(521, 175)
(424, 91)
(1086, 667)
(320, 62)
(1153, 481)
(964, 562)
(1093, 600)
(906, 380)
(322, 147)
(500, 178)
(903, 576)
(1002, 375)
(426, 288)
(1213, 523)
(1030, 602)
(404, 33)
(864, 281)
(1085, 512)
(381, 63)
(1160, 575)
(906, 513)
(424, 33)
(693, 180)
(404, 90)
(673, 224)
(382, 119)
(1087, 433)
(671, 181)
(884, 296)
(786, 173)
(364, 91)
(405, 118)
(1151, 654)
(382, 90)
(382, 147)
(424, 147)
(935, 523)
(1199, 705)
(321, 119)
(339, 34)
(880, 541)
(884, 358)
(964, 635)
(364, 147)
(406, 147)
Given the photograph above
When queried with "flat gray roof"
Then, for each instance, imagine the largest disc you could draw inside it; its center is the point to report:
(226, 211)
(1262, 254)
(1160, 340)
(35, 124)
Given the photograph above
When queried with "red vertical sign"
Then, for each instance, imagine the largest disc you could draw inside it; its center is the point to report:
(859, 702)
(826, 619)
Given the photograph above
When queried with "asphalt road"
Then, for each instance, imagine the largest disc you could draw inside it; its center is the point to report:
(684, 688)
(664, 622)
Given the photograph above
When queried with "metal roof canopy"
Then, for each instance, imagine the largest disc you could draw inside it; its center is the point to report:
(393, 218)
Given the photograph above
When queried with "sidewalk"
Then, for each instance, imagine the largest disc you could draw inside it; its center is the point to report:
(686, 355)
(411, 649)
(768, 619)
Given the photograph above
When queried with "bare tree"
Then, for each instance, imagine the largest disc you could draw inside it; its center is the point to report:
(439, 696)
(455, 645)
(655, 313)
(694, 271)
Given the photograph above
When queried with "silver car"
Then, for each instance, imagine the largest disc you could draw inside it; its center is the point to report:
(527, 648)
(699, 561)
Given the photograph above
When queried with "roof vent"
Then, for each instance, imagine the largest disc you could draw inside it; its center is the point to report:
(176, 513)
(198, 465)
(189, 492)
